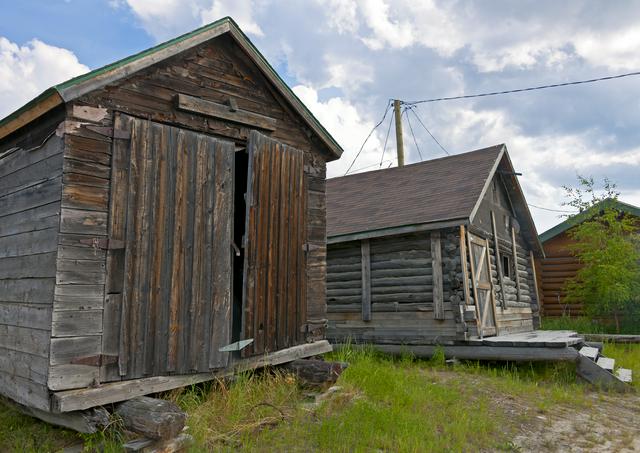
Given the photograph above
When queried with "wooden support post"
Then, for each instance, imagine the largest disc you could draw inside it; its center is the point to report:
(436, 269)
(463, 262)
(366, 280)
(496, 248)
(515, 262)
(399, 139)
(536, 316)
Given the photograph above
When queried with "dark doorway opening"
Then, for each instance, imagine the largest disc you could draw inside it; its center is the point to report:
(239, 224)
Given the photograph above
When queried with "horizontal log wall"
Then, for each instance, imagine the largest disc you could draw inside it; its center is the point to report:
(558, 266)
(30, 192)
(401, 285)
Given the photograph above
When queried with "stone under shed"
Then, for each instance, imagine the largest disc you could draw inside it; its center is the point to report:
(162, 222)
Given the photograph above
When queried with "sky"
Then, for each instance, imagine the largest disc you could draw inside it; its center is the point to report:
(347, 58)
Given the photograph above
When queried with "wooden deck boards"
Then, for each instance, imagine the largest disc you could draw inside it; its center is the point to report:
(535, 338)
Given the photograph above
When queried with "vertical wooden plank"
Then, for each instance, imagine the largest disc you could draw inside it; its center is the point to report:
(177, 270)
(365, 257)
(274, 221)
(143, 217)
(282, 250)
(111, 330)
(248, 284)
(436, 269)
(130, 254)
(196, 312)
(157, 256)
(191, 144)
(496, 248)
(463, 263)
(292, 258)
(301, 303)
(161, 351)
(492, 291)
(536, 314)
(474, 285)
(222, 226)
(208, 290)
(515, 262)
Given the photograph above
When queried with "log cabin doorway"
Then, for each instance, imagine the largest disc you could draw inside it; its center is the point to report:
(483, 293)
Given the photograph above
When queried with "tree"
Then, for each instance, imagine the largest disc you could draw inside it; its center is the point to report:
(606, 243)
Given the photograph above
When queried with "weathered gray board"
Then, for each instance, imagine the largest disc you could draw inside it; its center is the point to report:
(30, 194)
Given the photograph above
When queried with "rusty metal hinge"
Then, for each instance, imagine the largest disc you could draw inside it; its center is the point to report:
(104, 243)
(95, 360)
(110, 132)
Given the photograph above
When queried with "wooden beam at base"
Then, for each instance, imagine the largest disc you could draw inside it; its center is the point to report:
(79, 399)
(493, 353)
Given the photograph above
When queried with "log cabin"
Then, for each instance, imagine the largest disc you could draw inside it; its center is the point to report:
(157, 214)
(560, 265)
(437, 252)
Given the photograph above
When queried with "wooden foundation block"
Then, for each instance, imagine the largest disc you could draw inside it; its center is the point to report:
(151, 417)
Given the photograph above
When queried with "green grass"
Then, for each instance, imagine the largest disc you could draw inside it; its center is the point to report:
(626, 356)
(384, 404)
(584, 324)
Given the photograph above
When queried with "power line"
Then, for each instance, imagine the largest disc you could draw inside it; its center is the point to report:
(412, 134)
(374, 165)
(385, 140)
(519, 90)
(552, 210)
(368, 136)
(411, 108)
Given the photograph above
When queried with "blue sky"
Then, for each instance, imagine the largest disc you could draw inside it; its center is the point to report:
(346, 58)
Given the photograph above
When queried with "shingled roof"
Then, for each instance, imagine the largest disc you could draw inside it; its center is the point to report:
(441, 192)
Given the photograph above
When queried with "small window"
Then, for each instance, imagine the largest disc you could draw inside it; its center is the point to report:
(506, 266)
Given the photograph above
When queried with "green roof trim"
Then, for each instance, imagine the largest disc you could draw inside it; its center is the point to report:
(582, 216)
(66, 92)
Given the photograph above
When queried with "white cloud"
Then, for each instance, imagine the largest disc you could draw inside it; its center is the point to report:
(345, 124)
(26, 71)
(164, 19)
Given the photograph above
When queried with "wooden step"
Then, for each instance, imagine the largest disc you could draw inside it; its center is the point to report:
(606, 363)
(624, 375)
(591, 372)
(589, 352)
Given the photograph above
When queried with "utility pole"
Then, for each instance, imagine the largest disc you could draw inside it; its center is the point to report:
(399, 139)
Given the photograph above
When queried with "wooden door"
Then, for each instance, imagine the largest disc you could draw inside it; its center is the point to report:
(169, 263)
(274, 298)
(482, 285)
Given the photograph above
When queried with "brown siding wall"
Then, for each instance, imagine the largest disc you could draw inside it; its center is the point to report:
(555, 269)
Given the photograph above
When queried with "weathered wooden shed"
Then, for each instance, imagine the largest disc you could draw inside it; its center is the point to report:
(152, 212)
(559, 264)
(438, 252)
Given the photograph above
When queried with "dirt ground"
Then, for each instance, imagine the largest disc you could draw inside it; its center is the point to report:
(611, 424)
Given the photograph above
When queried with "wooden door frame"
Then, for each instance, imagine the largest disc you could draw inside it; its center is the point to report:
(483, 242)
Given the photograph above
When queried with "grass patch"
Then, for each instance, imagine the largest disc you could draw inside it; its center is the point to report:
(584, 324)
(626, 356)
(384, 403)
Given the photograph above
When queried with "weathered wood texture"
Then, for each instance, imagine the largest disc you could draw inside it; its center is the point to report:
(31, 168)
(275, 303)
(176, 273)
(402, 290)
(154, 418)
(316, 372)
(514, 287)
(80, 399)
